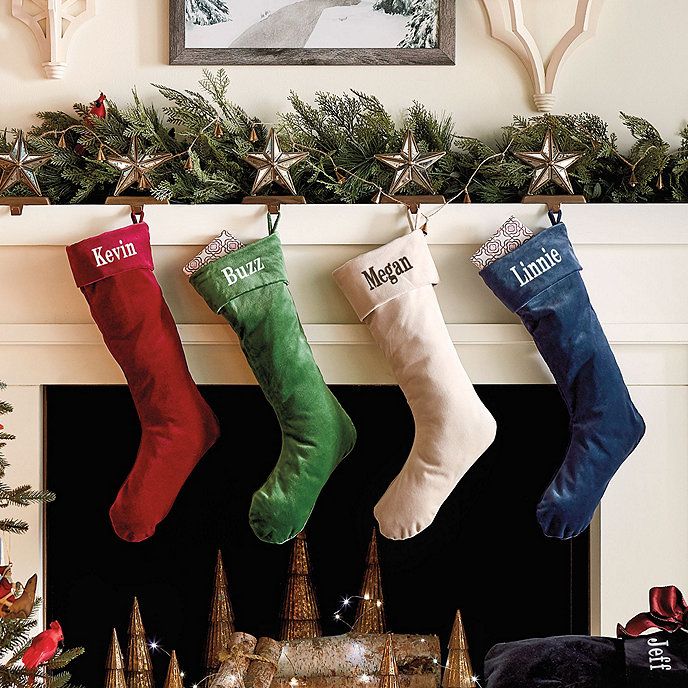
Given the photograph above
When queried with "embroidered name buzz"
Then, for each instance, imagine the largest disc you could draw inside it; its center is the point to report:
(233, 275)
(115, 253)
(656, 656)
(537, 267)
(390, 273)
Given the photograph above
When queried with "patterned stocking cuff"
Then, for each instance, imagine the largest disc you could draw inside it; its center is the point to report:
(512, 234)
(220, 246)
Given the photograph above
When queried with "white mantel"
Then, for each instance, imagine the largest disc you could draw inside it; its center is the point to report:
(634, 260)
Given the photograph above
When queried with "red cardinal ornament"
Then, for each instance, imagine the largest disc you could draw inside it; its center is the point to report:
(97, 110)
(42, 649)
(98, 107)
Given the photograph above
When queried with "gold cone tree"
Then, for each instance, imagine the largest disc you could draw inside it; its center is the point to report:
(389, 673)
(300, 615)
(370, 615)
(174, 676)
(114, 667)
(220, 621)
(459, 672)
(139, 670)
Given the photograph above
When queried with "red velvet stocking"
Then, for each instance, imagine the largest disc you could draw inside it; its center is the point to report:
(115, 273)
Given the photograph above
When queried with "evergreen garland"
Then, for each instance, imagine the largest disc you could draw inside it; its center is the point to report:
(342, 133)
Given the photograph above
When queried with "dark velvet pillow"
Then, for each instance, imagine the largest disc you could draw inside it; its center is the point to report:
(588, 662)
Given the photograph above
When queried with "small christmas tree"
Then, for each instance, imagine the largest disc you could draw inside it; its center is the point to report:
(370, 615)
(139, 666)
(174, 675)
(389, 673)
(114, 668)
(204, 12)
(221, 620)
(300, 615)
(459, 672)
(16, 630)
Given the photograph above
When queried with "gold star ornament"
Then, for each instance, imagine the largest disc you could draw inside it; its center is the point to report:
(19, 167)
(135, 168)
(273, 165)
(551, 165)
(410, 165)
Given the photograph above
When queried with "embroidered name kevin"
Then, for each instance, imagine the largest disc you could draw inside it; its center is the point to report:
(657, 658)
(233, 275)
(115, 253)
(390, 273)
(545, 262)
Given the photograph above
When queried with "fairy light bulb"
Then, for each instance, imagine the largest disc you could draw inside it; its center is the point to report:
(293, 682)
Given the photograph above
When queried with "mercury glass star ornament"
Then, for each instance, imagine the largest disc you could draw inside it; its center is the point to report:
(550, 164)
(410, 165)
(19, 167)
(135, 168)
(273, 165)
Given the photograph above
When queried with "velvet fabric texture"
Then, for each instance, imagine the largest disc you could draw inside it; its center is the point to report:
(248, 287)
(589, 662)
(540, 281)
(391, 289)
(114, 271)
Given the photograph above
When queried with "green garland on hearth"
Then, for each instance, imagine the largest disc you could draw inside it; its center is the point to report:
(342, 133)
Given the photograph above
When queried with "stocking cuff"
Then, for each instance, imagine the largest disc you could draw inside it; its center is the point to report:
(246, 269)
(376, 277)
(531, 268)
(110, 253)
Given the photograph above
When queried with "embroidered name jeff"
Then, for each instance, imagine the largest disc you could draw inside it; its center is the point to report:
(536, 268)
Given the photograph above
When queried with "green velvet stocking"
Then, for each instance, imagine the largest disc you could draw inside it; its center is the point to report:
(249, 289)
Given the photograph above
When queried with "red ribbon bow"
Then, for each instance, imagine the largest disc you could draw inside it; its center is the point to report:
(668, 612)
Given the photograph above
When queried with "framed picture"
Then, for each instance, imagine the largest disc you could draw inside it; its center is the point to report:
(317, 32)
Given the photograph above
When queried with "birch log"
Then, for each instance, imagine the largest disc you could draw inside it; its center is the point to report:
(341, 660)
(260, 673)
(239, 646)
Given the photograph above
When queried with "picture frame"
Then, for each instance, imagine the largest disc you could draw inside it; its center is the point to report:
(181, 53)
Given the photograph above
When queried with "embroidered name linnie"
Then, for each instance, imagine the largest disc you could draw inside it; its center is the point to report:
(112, 254)
(376, 277)
(233, 275)
(533, 270)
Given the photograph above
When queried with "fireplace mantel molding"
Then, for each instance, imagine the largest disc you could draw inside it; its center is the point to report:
(634, 259)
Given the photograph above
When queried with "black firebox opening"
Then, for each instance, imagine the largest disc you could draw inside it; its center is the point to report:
(484, 554)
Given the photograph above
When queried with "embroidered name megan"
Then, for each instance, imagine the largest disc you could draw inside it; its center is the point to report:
(527, 273)
(233, 275)
(115, 253)
(390, 273)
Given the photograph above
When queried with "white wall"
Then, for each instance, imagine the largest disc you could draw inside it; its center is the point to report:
(636, 64)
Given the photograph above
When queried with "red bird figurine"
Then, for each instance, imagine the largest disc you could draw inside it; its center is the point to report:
(97, 110)
(42, 649)
(98, 107)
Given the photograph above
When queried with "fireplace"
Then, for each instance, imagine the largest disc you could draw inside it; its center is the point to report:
(484, 554)
(60, 373)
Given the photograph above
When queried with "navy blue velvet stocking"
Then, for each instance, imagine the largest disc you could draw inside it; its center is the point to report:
(540, 281)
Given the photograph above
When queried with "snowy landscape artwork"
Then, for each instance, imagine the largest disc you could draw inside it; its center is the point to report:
(313, 25)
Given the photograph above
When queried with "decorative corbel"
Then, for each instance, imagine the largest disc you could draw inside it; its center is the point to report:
(53, 25)
(507, 25)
